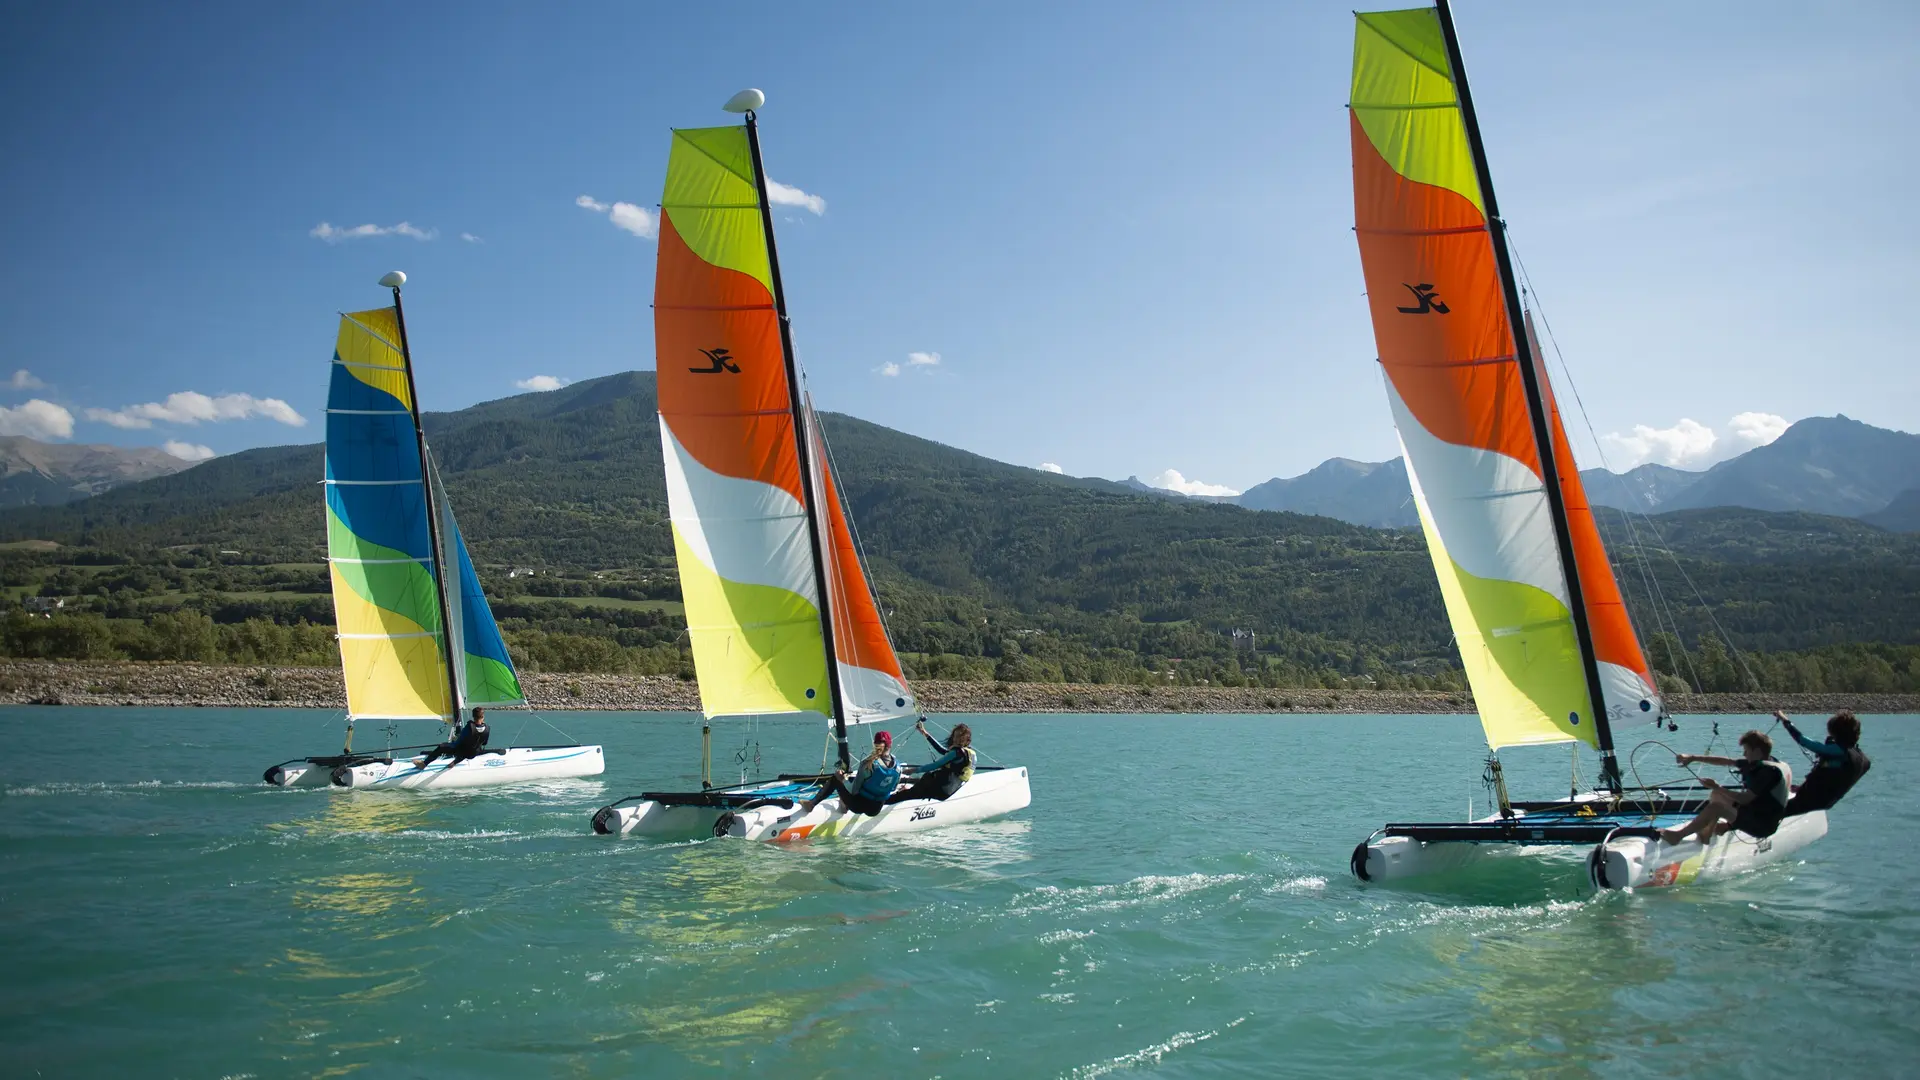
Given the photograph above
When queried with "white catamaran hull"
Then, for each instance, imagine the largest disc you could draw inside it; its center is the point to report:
(300, 774)
(991, 793)
(1625, 862)
(1644, 863)
(511, 766)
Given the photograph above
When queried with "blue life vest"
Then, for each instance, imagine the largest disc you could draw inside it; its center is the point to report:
(881, 781)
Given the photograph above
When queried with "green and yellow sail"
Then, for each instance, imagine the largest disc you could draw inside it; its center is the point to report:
(386, 595)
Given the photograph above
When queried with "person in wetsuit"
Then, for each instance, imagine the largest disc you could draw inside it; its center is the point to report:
(940, 778)
(1839, 763)
(1756, 811)
(466, 743)
(879, 774)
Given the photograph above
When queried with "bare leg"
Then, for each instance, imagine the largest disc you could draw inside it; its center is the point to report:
(1706, 823)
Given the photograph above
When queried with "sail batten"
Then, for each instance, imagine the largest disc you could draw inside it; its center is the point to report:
(1531, 601)
(386, 603)
(736, 495)
(387, 576)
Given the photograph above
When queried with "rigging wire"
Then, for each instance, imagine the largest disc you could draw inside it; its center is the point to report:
(976, 750)
(1659, 539)
(853, 530)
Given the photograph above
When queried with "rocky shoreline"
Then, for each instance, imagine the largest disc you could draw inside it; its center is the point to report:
(47, 682)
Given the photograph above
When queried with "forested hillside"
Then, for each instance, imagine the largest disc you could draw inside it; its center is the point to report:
(986, 569)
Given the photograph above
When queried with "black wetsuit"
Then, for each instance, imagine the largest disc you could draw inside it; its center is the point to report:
(940, 778)
(1760, 816)
(468, 743)
(1836, 769)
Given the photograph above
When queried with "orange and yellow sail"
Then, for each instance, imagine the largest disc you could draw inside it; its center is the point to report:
(1454, 383)
(739, 498)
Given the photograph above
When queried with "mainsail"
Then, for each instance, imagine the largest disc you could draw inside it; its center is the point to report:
(1470, 417)
(386, 592)
(757, 528)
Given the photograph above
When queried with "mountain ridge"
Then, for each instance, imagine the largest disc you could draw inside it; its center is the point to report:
(35, 473)
(1822, 464)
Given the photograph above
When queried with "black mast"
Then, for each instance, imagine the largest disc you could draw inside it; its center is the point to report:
(800, 444)
(1536, 406)
(433, 517)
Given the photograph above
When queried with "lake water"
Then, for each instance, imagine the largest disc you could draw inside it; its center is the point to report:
(1175, 903)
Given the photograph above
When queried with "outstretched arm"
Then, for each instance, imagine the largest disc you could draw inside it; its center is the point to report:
(1825, 751)
(1703, 759)
(938, 746)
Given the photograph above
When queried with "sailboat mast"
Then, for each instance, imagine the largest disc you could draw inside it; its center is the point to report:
(433, 515)
(1536, 408)
(807, 463)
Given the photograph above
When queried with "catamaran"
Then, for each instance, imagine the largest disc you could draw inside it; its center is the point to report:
(779, 611)
(416, 643)
(1537, 615)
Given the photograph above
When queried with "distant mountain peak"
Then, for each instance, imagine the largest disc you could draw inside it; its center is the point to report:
(35, 473)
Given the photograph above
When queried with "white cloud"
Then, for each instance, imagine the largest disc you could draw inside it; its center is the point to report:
(780, 194)
(1751, 429)
(24, 380)
(37, 419)
(916, 361)
(1048, 466)
(1689, 444)
(1686, 443)
(1171, 480)
(471, 239)
(542, 383)
(637, 220)
(187, 451)
(333, 234)
(634, 219)
(189, 407)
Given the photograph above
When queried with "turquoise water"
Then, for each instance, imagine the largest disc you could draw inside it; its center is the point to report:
(1175, 903)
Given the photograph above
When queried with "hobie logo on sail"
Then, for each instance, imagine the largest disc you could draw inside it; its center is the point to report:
(722, 360)
(1423, 293)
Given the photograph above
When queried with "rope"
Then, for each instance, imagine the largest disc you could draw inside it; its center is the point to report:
(534, 713)
(977, 752)
(1633, 533)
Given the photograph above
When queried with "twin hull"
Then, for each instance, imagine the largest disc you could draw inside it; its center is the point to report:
(1643, 863)
(511, 766)
(989, 794)
(1627, 862)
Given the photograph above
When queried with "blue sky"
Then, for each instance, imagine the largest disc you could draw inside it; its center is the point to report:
(1123, 227)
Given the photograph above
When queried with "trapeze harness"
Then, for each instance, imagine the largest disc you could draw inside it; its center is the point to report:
(468, 743)
(1834, 773)
(880, 781)
(875, 786)
(943, 776)
(1771, 783)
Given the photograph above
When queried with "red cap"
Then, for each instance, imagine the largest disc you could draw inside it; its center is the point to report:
(882, 738)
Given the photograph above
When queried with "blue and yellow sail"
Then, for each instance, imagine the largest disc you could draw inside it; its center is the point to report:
(386, 593)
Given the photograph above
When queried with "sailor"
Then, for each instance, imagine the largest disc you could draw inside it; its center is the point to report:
(1839, 763)
(940, 778)
(879, 774)
(1757, 810)
(466, 743)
